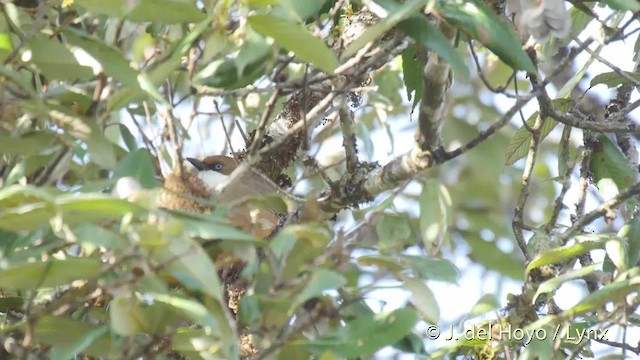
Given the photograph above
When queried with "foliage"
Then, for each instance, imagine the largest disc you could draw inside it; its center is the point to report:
(101, 100)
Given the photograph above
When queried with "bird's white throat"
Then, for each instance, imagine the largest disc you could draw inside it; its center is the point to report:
(212, 179)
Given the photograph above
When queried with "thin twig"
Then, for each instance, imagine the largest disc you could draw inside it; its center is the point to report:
(616, 69)
(604, 209)
(504, 119)
(303, 108)
(260, 130)
(242, 133)
(297, 127)
(226, 132)
(565, 157)
(518, 217)
(173, 137)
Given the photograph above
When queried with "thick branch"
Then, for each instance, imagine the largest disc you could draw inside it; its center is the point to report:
(406, 166)
(436, 82)
(348, 136)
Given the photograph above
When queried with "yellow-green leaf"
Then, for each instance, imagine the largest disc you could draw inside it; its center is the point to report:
(295, 38)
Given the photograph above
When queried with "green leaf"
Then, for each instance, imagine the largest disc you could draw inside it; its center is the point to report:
(488, 254)
(130, 314)
(435, 213)
(16, 195)
(110, 58)
(486, 303)
(214, 319)
(82, 341)
(482, 24)
(519, 144)
(539, 347)
(255, 49)
(294, 37)
(249, 311)
(90, 339)
(613, 79)
(631, 233)
(185, 259)
(563, 253)
(412, 75)
(397, 13)
(28, 217)
(624, 5)
(261, 3)
(225, 74)
(125, 315)
(28, 144)
(16, 77)
(30, 276)
(422, 298)
(101, 150)
(610, 168)
(381, 261)
(282, 244)
(138, 165)
(413, 344)
(162, 11)
(114, 8)
(365, 335)
(609, 293)
(431, 268)
(423, 267)
(157, 73)
(6, 45)
(192, 343)
(580, 19)
(302, 10)
(557, 281)
(393, 231)
(426, 34)
(311, 242)
(211, 230)
(166, 12)
(91, 235)
(319, 281)
(94, 207)
(617, 253)
(127, 137)
(55, 61)
(250, 64)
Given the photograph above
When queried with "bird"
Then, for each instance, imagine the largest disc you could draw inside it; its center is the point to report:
(213, 171)
(542, 18)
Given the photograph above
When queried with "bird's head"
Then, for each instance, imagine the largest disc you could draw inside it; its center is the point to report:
(214, 170)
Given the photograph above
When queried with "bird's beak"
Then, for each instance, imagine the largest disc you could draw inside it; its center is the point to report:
(197, 164)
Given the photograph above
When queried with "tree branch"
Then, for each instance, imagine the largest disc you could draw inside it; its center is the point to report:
(436, 82)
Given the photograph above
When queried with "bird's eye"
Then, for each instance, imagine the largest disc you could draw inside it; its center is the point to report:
(218, 166)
